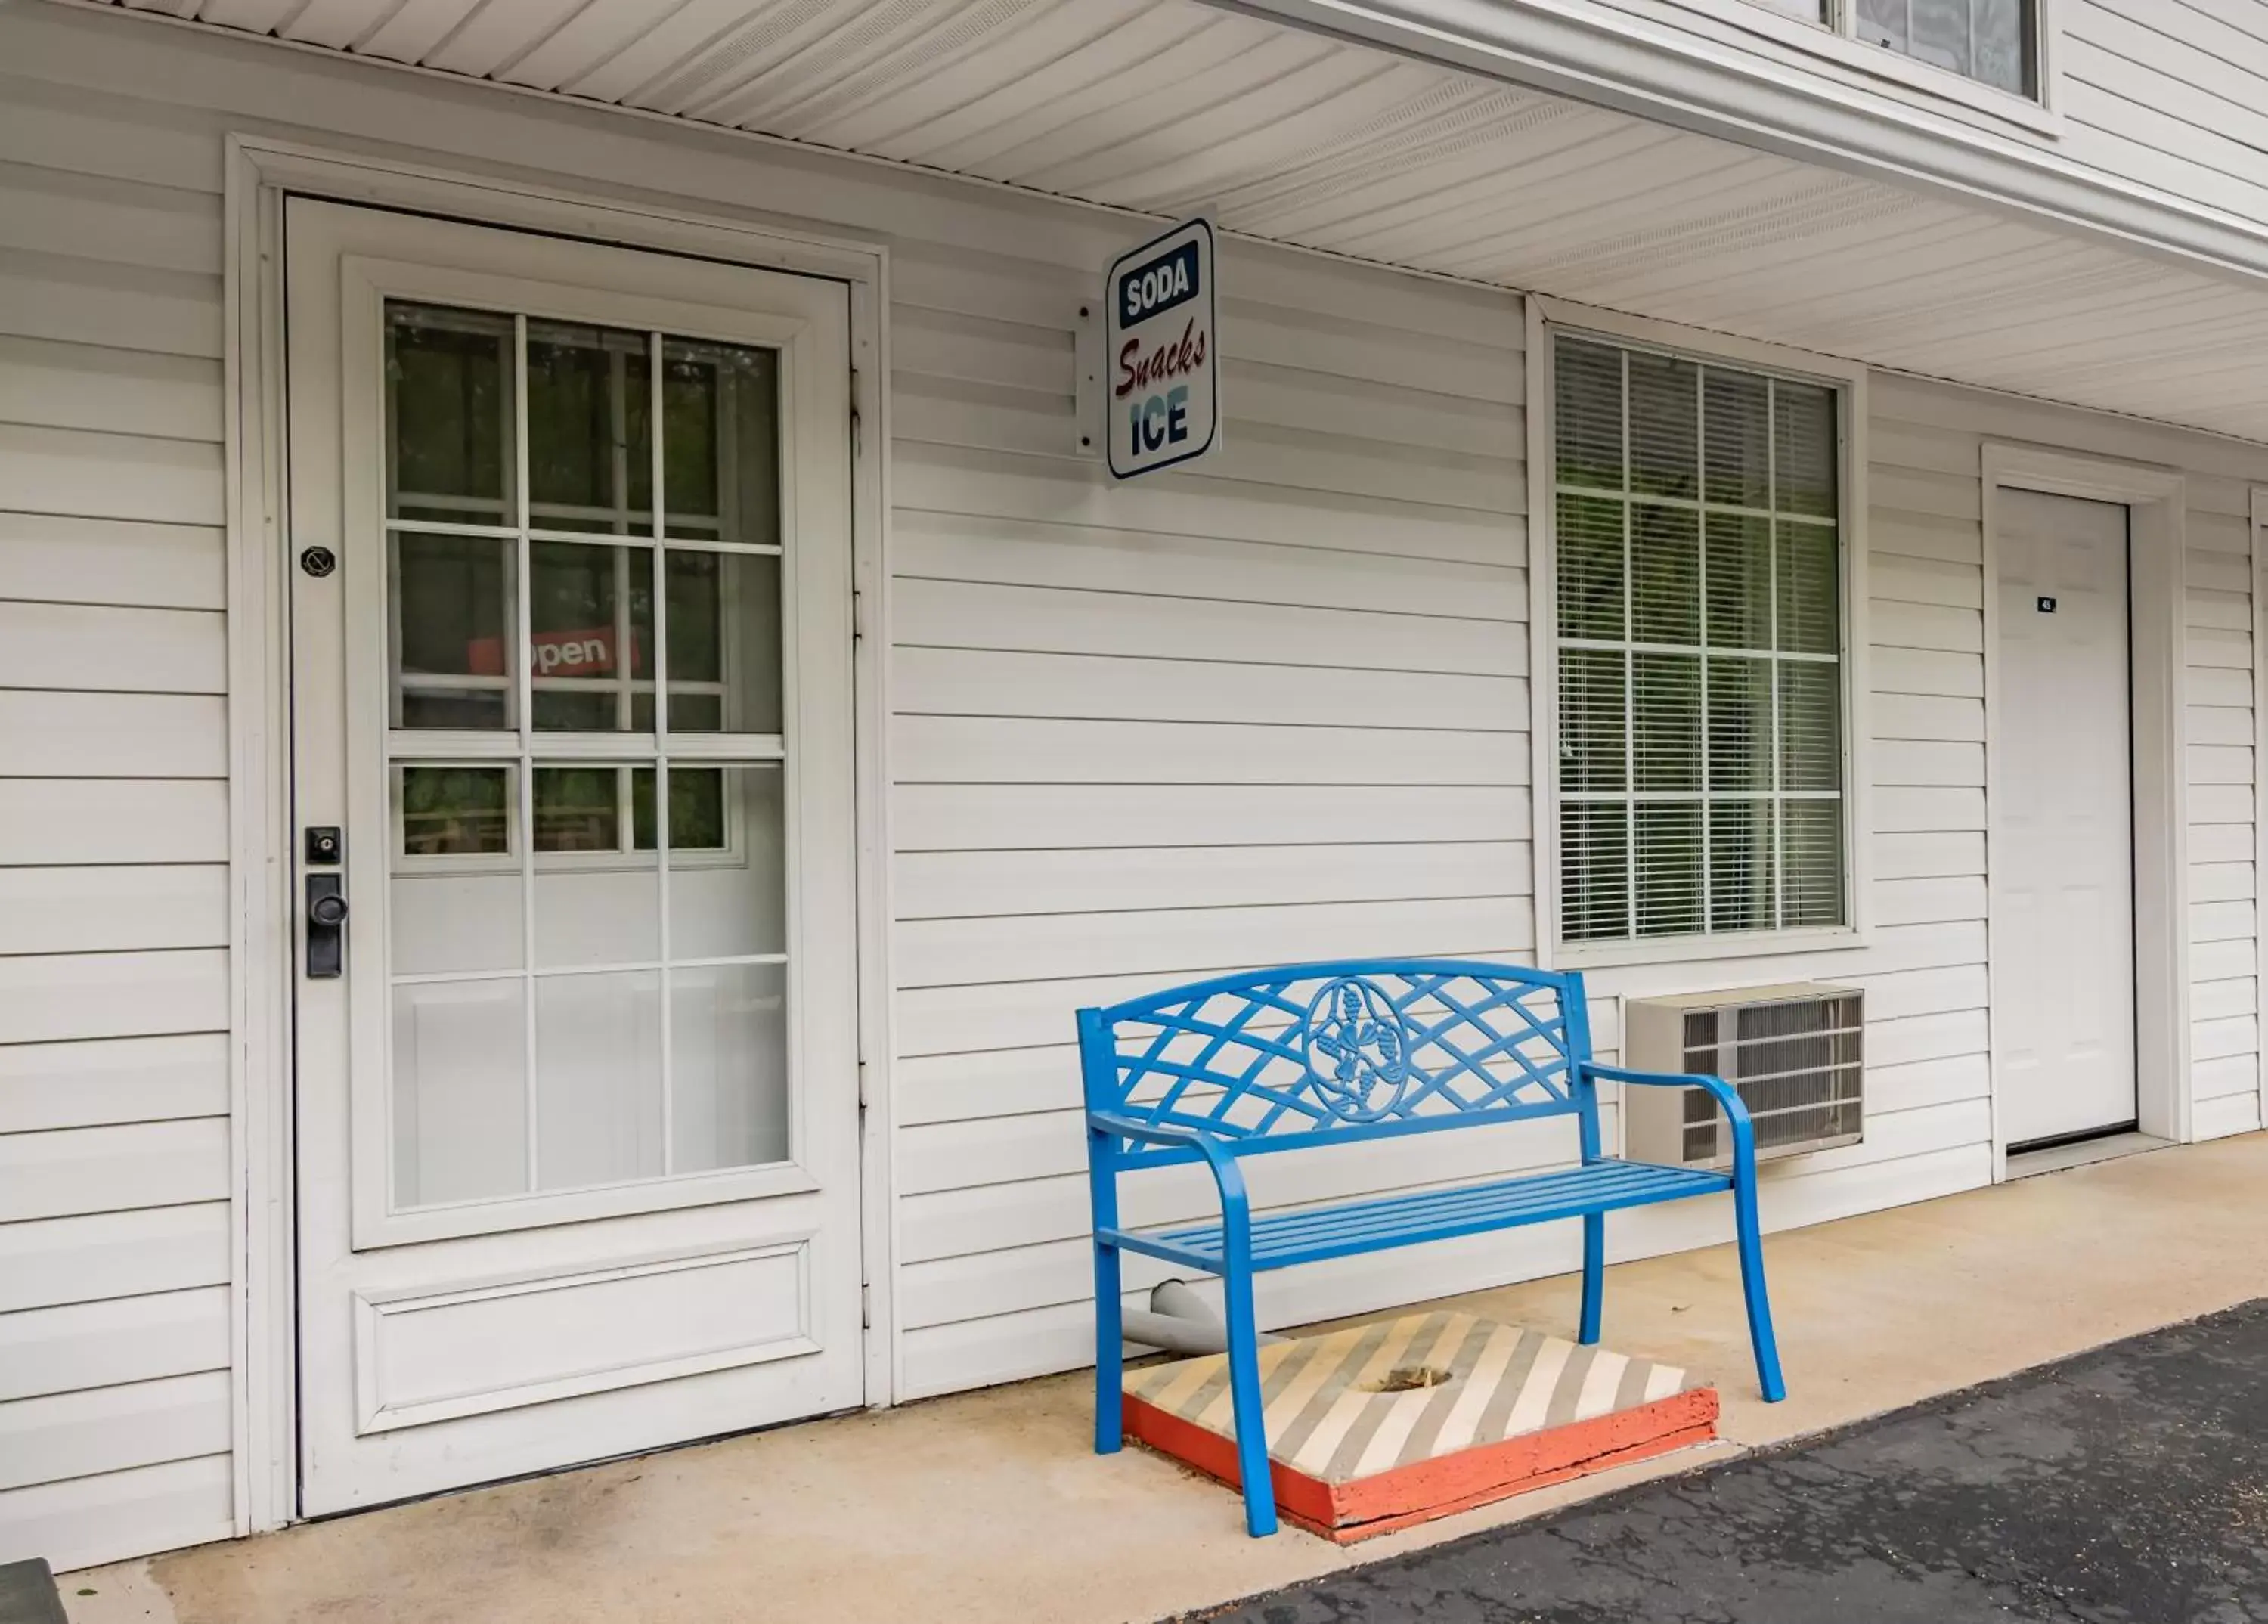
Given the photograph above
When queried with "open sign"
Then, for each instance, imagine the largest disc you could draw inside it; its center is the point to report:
(589, 652)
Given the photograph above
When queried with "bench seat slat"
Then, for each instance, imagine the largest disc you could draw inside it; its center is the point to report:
(1316, 1234)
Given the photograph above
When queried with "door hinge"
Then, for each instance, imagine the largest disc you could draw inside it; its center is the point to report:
(858, 626)
(858, 423)
(866, 1307)
(862, 1085)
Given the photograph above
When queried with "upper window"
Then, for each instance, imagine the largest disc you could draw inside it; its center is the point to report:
(1995, 42)
(1701, 761)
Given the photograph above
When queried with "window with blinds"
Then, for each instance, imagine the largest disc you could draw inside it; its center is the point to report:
(1700, 628)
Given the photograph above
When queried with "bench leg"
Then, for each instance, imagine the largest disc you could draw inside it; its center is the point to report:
(1594, 1275)
(1752, 1287)
(1109, 1353)
(1251, 1421)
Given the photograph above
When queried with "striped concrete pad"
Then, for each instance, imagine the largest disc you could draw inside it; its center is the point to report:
(1411, 1417)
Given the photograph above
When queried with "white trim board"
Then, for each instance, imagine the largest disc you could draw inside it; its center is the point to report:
(2260, 754)
(2156, 500)
(260, 172)
(1545, 317)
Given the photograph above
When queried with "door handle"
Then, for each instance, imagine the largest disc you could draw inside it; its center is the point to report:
(326, 920)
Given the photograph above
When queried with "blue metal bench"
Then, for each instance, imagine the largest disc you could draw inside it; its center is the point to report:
(1330, 1054)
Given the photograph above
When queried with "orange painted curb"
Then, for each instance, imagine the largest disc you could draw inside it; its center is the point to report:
(1403, 1496)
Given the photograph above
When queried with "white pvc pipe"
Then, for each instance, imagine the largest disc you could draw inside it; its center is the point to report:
(1179, 1321)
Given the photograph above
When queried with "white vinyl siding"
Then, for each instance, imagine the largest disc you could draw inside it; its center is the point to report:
(2169, 95)
(1273, 708)
(114, 1314)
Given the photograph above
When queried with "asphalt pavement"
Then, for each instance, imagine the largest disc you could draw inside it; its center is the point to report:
(2125, 1486)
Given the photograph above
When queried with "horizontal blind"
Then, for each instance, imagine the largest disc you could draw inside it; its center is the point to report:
(1700, 630)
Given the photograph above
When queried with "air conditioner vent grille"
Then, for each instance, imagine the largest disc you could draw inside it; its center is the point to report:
(1796, 1055)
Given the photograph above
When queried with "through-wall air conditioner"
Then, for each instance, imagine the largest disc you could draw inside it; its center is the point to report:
(1796, 1053)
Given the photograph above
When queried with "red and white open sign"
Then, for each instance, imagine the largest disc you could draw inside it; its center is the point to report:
(589, 652)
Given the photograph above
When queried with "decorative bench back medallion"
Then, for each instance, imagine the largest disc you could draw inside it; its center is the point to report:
(1358, 1049)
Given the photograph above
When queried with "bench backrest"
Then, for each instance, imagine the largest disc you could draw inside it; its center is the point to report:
(1354, 1049)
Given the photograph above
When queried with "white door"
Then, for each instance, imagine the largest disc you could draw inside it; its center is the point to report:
(2062, 849)
(576, 1101)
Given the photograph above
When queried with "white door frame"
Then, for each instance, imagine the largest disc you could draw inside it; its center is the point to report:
(259, 173)
(2156, 499)
(2259, 578)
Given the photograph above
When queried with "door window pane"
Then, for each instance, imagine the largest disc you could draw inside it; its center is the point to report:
(598, 1079)
(449, 413)
(453, 917)
(724, 642)
(698, 818)
(591, 634)
(578, 809)
(720, 443)
(595, 904)
(454, 811)
(728, 900)
(590, 445)
(728, 1067)
(459, 1091)
(453, 601)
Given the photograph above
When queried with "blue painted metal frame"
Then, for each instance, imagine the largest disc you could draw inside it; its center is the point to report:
(1239, 1065)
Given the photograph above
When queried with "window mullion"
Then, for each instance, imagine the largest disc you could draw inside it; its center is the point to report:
(654, 415)
(1701, 624)
(521, 666)
(1778, 806)
(1630, 671)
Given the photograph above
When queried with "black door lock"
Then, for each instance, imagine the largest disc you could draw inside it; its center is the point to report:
(326, 920)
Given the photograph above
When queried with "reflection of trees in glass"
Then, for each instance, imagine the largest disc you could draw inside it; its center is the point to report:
(696, 810)
(589, 445)
(452, 810)
(447, 375)
(577, 809)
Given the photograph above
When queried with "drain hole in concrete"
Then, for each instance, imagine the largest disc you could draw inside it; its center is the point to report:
(1407, 1378)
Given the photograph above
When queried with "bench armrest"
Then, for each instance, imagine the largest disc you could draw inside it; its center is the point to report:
(1236, 1205)
(1727, 1098)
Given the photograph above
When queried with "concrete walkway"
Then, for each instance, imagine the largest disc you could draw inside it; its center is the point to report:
(988, 1505)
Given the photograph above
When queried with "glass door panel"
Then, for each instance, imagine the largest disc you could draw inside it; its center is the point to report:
(588, 943)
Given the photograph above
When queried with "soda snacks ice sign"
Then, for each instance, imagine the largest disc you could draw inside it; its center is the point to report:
(1162, 404)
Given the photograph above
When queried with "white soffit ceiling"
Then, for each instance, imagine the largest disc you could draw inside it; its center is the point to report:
(1168, 105)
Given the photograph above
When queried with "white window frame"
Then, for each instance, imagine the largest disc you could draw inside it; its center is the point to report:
(1547, 318)
(1837, 43)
